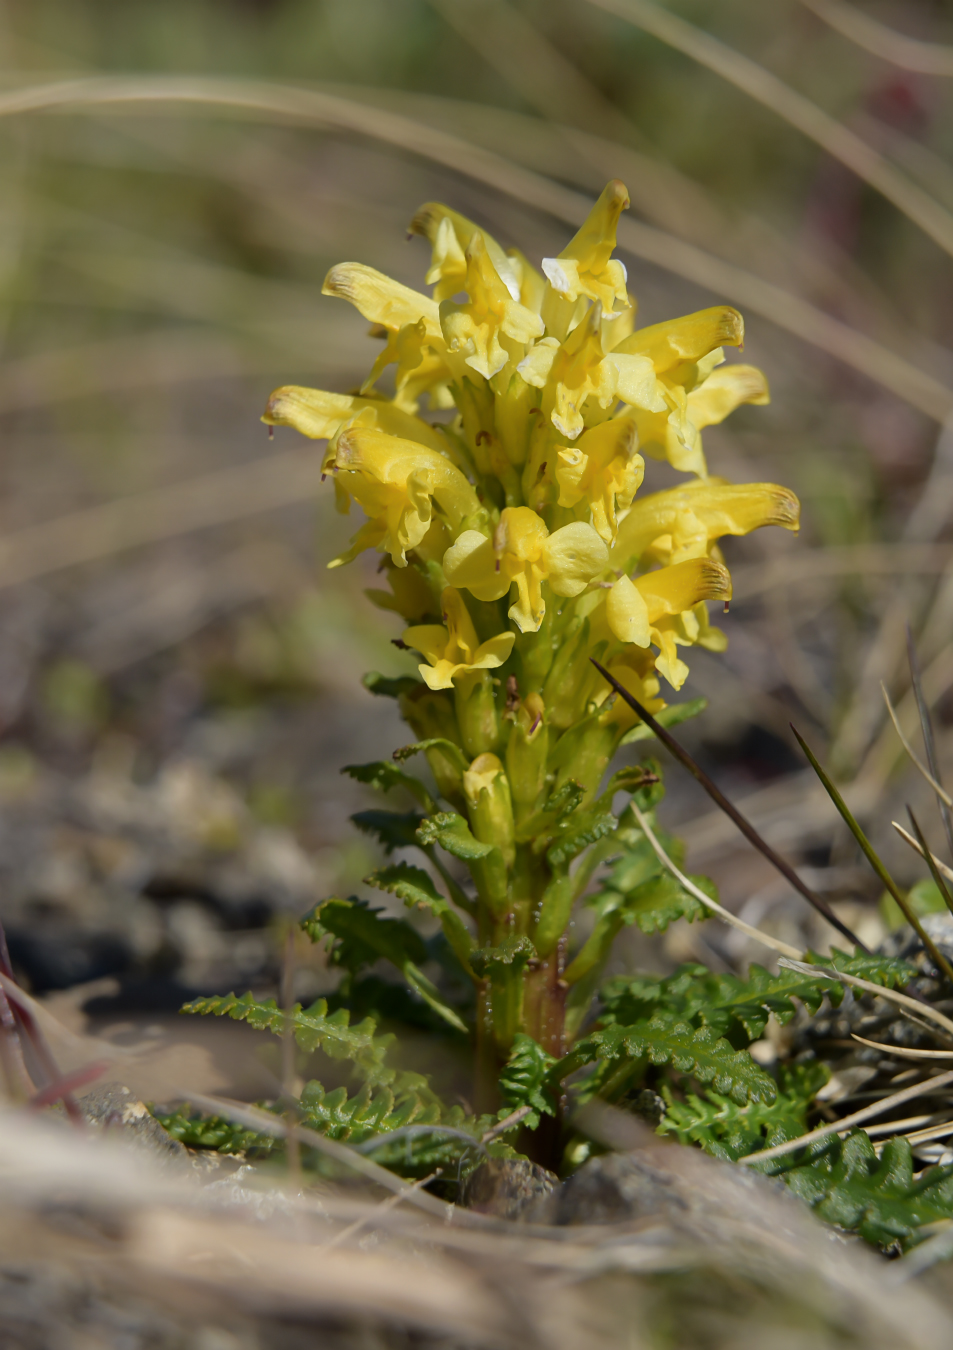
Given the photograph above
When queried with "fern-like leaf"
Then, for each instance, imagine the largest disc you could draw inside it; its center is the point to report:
(696, 1051)
(384, 776)
(359, 1119)
(525, 1080)
(729, 1131)
(362, 936)
(879, 1198)
(314, 1029)
(417, 889)
(392, 829)
(731, 1006)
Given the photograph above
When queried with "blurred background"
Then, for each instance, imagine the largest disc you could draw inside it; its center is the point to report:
(179, 675)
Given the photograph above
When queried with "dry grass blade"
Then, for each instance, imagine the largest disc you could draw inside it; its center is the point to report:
(929, 740)
(920, 1012)
(774, 943)
(309, 107)
(901, 1051)
(761, 85)
(719, 798)
(849, 1122)
(908, 838)
(872, 857)
(937, 787)
(927, 58)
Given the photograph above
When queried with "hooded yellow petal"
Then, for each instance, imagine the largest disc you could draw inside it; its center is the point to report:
(673, 589)
(628, 614)
(393, 461)
(380, 299)
(476, 328)
(687, 339)
(722, 508)
(586, 267)
(723, 391)
(321, 415)
(439, 225)
(572, 556)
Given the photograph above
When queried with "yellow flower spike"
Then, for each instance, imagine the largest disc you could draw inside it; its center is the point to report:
(454, 649)
(523, 553)
(604, 470)
(321, 415)
(586, 267)
(689, 338)
(395, 481)
(696, 515)
(381, 300)
(449, 235)
(491, 327)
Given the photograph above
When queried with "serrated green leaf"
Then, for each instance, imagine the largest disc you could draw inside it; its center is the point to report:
(363, 935)
(880, 1198)
(525, 1080)
(314, 1029)
(579, 834)
(447, 748)
(888, 971)
(384, 776)
(731, 1006)
(696, 1051)
(417, 888)
(729, 1131)
(386, 687)
(392, 829)
(485, 861)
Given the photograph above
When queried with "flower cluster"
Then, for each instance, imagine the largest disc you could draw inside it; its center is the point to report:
(516, 547)
(519, 516)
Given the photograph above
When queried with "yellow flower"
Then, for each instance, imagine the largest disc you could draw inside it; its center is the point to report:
(651, 609)
(396, 483)
(454, 650)
(586, 268)
(492, 327)
(523, 553)
(381, 300)
(603, 470)
(677, 435)
(449, 235)
(684, 522)
(420, 368)
(321, 415)
(571, 372)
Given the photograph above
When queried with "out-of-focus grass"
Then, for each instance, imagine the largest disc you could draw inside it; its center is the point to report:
(160, 271)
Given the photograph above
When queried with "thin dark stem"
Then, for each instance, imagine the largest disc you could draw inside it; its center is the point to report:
(929, 741)
(870, 853)
(720, 800)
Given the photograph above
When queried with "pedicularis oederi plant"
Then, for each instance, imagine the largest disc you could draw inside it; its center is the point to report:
(515, 544)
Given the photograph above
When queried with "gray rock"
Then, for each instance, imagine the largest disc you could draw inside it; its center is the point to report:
(508, 1188)
(616, 1188)
(112, 1107)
